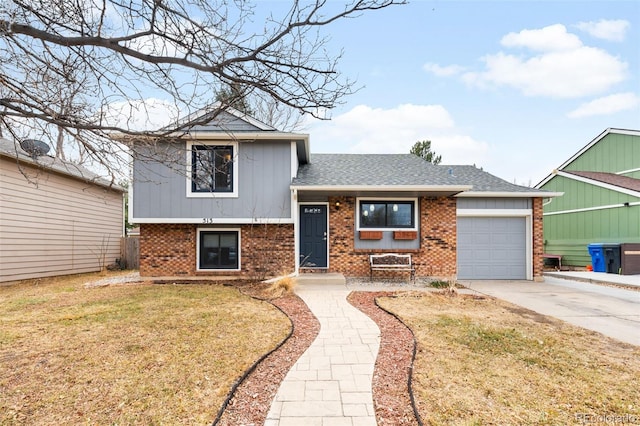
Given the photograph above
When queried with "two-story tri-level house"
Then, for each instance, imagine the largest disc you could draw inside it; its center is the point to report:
(232, 196)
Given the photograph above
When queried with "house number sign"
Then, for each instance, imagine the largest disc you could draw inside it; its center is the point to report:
(312, 210)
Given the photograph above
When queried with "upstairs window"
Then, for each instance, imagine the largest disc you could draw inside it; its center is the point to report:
(387, 214)
(212, 168)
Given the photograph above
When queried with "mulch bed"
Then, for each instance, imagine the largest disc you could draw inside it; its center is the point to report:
(251, 401)
(392, 373)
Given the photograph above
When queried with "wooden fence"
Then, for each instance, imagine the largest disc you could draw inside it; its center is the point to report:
(130, 252)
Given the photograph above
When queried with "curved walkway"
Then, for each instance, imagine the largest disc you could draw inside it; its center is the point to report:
(331, 382)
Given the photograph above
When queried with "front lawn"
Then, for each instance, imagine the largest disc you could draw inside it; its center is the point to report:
(482, 361)
(128, 354)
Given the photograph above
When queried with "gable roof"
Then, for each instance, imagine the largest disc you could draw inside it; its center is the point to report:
(225, 123)
(611, 179)
(359, 173)
(13, 151)
(220, 115)
(597, 139)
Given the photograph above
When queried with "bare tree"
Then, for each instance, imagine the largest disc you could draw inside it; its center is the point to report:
(118, 54)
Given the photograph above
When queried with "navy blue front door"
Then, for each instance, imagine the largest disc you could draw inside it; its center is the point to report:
(313, 236)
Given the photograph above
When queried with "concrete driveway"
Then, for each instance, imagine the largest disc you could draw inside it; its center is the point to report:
(611, 311)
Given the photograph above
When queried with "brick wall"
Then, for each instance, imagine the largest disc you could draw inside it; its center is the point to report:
(538, 240)
(269, 250)
(437, 253)
(170, 250)
(438, 228)
(167, 250)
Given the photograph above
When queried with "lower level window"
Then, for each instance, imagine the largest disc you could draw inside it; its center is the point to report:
(218, 250)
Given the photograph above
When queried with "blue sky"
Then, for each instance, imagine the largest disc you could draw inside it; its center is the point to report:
(514, 87)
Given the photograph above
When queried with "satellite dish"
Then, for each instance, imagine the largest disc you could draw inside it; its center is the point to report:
(34, 147)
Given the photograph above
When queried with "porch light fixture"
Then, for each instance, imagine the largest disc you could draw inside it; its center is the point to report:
(337, 205)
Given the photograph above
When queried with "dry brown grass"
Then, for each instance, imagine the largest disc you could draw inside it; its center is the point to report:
(281, 287)
(130, 354)
(482, 361)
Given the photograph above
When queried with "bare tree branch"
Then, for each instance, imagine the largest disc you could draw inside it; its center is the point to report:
(67, 65)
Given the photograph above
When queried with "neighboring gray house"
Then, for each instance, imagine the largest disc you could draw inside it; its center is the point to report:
(56, 218)
(236, 197)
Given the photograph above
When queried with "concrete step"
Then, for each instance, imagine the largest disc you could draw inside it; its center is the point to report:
(330, 278)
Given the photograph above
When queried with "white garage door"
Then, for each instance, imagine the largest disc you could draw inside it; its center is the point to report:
(492, 248)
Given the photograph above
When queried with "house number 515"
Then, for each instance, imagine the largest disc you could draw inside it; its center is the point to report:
(207, 220)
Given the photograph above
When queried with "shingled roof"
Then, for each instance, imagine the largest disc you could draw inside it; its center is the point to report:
(610, 178)
(13, 151)
(388, 170)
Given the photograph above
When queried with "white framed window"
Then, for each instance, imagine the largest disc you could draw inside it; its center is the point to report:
(218, 249)
(212, 169)
(387, 214)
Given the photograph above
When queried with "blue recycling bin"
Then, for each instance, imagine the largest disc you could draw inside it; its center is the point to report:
(596, 251)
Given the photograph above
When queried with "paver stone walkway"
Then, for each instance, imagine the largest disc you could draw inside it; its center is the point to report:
(330, 385)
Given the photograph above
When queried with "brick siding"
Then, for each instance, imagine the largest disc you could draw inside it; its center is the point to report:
(435, 257)
(169, 250)
(538, 240)
(269, 250)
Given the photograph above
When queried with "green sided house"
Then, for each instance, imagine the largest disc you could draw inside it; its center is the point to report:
(229, 196)
(601, 202)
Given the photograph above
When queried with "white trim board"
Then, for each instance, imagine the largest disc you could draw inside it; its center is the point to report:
(599, 184)
(214, 221)
(586, 147)
(296, 232)
(236, 166)
(416, 213)
(494, 212)
(199, 230)
(591, 209)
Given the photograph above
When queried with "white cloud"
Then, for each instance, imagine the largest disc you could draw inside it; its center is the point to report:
(607, 105)
(612, 30)
(561, 69)
(148, 114)
(441, 71)
(547, 39)
(373, 130)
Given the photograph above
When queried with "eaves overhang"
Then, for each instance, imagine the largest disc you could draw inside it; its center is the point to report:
(68, 170)
(629, 132)
(372, 190)
(600, 184)
(504, 194)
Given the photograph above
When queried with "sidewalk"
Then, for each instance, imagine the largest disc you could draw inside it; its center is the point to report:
(598, 277)
(331, 382)
(610, 310)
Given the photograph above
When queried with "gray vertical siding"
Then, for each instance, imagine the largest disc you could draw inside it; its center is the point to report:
(225, 122)
(264, 176)
(494, 203)
(386, 243)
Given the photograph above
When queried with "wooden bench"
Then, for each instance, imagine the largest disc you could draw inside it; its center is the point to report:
(391, 262)
(558, 257)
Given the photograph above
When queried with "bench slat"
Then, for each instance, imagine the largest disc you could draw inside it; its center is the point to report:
(391, 262)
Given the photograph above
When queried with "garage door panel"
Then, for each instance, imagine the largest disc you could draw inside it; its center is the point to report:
(492, 248)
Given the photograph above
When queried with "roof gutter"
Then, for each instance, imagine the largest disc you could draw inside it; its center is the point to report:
(496, 194)
(422, 188)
